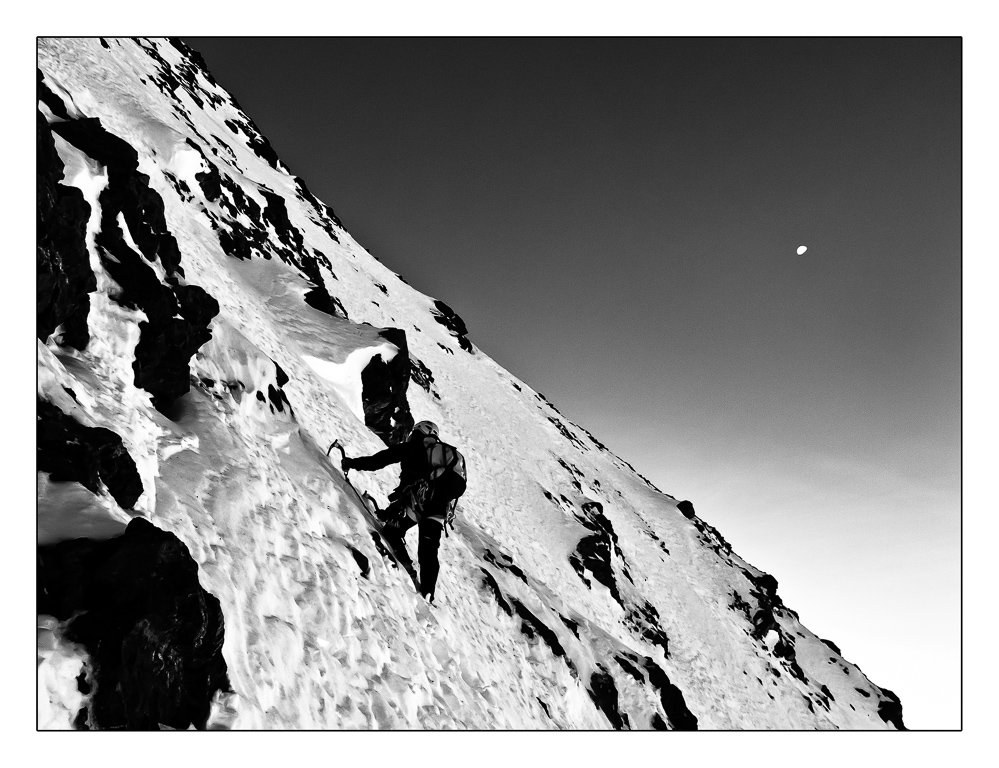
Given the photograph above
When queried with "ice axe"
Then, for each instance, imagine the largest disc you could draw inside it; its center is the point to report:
(366, 497)
(343, 453)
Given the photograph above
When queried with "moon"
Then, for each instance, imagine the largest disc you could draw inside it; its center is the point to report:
(802, 249)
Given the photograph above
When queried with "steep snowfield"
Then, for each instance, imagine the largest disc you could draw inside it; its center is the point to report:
(572, 593)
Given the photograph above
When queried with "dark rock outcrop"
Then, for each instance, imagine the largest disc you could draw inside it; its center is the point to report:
(740, 605)
(319, 298)
(643, 620)
(531, 625)
(210, 180)
(767, 584)
(593, 553)
(890, 709)
(325, 217)
(564, 430)
(686, 509)
(177, 315)
(603, 692)
(625, 662)
(832, 645)
(153, 634)
(784, 649)
(256, 238)
(64, 277)
(489, 582)
(764, 589)
(276, 395)
(447, 317)
(572, 626)
(172, 77)
(362, 562)
(671, 698)
(68, 450)
(383, 391)
(645, 669)
(764, 621)
(422, 375)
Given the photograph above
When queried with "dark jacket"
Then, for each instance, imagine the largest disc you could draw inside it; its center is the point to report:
(410, 455)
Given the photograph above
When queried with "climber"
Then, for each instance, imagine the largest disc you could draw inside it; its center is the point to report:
(431, 478)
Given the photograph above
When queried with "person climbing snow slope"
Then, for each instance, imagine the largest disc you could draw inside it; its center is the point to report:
(431, 478)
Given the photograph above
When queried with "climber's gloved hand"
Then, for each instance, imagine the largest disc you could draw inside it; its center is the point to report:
(346, 464)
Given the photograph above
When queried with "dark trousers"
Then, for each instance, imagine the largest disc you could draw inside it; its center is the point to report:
(394, 533)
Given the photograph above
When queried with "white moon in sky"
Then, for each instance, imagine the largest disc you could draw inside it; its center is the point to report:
(802, 249)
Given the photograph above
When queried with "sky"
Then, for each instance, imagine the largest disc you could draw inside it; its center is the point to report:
(616, 220)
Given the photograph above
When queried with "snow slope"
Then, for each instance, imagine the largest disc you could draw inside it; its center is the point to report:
(572, 594)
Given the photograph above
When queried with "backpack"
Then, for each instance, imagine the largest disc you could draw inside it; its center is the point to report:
(447, 475)
(445, 482)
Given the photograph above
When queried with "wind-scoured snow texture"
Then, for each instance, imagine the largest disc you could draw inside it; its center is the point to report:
(572, 593)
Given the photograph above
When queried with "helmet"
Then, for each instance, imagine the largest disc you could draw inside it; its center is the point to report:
(425, 428)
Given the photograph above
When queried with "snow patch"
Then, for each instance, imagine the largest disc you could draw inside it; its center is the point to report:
(60, 663)
(346, 376)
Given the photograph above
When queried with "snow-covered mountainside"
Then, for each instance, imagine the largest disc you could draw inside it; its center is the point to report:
(206, 329)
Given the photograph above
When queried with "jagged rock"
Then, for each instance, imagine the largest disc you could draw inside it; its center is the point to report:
(890, 710)
(644, 620)
(68, 450)
(209, 180)
(153, 634)
(162, 359)
(671, 698)
(593, 553)
(784, 649)
(276, 214)
(195, 304)
(49, 99)
(362, 562)
(686, 509)
(243, 242)
(326, 218)
(832, 645)
(489, 581)
(531, 625)
(421, 374)
(383, 391)
(764, 621)
(570, 624)
(768, 584)
(566, 433)
(603, 692)
(64, 276)
(166, 342)
(319, 298)
(628, 667)
(447, 317)
(276, 395)
(739, 604)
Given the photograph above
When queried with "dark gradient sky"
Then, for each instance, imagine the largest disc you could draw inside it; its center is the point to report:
(616, 221)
